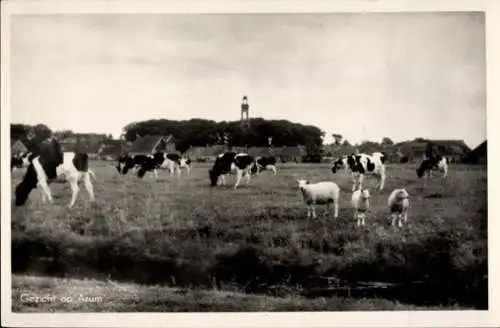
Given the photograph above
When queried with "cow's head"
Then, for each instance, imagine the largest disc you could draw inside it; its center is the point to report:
(338, 164)
(124, 163)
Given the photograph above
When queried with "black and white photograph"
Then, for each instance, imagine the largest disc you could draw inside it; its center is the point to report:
(246, 162)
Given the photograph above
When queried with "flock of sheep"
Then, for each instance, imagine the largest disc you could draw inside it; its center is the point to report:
(328, 192)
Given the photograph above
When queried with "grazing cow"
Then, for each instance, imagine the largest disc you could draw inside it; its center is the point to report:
(186, 164)
(340, 163)
(264, 163)
(398, 203)
(362, 164)
(173, 162)
(139, 163)
(324, 192)
(51, 164)
(231, 162)
(436, 163)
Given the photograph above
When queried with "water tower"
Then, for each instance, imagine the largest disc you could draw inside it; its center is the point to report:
(245, 121)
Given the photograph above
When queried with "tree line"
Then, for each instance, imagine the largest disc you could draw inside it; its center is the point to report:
(200, 132)
(258, 133)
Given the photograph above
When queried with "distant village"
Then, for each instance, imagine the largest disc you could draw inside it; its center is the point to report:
(100, 146)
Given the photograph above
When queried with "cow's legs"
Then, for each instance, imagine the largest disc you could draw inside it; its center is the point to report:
(248, 176)
(45, 191)
(89, 186)
(360, 179)
(238, 178)
(74, 191)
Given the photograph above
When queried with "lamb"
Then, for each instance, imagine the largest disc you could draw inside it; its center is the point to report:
(325, 192)
(398, 204)
(360, 201)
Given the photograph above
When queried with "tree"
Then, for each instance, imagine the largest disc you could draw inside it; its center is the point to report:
(199, 132)
(338, 139)
(346, 143)
(387, 141)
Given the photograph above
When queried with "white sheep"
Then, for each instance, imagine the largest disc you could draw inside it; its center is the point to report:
(360, 201)
(325, 192)
(398, 204)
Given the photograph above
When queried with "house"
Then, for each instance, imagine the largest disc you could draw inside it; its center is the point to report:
(413, 151)
(17, 147)
(454, 150)
(260, 151)
(478, 155)
(150, 144)
(290, 154)
(110, 150)
(203, 154)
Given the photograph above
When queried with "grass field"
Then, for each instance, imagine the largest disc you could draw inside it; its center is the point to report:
(256, 240)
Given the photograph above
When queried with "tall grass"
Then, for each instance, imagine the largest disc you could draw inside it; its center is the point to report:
(257, 240)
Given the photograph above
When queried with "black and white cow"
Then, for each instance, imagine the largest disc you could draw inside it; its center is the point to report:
(50, 164)
(264, 163)
(231, 162)
(16, 162)
(173, 162)
(21, 160)
(435, 162)
(139, 163)
(340, 163)
(362, 164)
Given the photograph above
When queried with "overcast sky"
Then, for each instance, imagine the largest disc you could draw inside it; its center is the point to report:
(364, 76)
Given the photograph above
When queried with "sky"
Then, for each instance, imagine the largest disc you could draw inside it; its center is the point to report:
(363, 75)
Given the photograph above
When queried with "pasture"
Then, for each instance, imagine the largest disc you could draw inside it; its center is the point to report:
(182, 233)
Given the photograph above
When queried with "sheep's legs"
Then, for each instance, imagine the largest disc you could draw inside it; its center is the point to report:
(311, 212)
(393, 216)
(335, 209)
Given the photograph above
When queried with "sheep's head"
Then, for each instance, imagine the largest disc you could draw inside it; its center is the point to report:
(365, 193)
(402, 194)
(302, 183)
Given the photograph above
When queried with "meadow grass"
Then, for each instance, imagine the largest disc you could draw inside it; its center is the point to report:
(256, 239)
(91, 295)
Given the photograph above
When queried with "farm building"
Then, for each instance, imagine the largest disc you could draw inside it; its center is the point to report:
(207, 153)
(151, 144)
(335, 151)
(290, 154)
(478, 155)
(110, 150)
(260, 151)
(454, 150)
(17, 147)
